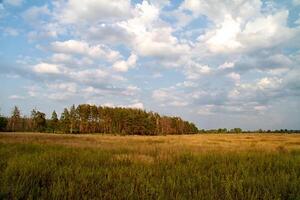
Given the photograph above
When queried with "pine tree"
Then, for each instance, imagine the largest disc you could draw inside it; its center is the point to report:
(14, 123)
(54, 122)
(65, 121)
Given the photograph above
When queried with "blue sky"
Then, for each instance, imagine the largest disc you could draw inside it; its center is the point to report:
(216, 63)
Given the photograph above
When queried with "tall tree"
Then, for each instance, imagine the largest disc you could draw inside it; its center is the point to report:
(40, 121)
(14, 123)
(65, 121)
(53, 124)
(3, 123)
(73, 119)
(32, 121)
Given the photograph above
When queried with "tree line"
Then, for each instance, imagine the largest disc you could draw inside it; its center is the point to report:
(87, 118)
(239, 130)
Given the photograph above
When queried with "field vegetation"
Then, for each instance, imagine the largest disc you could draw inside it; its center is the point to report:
(227, 166)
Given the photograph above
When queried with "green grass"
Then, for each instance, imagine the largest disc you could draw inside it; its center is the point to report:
(43, 171)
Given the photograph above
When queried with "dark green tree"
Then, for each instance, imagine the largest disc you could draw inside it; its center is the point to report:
(3, 123)
(39, 121)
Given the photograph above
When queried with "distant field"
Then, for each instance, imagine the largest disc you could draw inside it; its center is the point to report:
(210, 166)
(194, 143)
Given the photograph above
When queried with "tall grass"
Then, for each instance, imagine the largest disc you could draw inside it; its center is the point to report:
(36, 171)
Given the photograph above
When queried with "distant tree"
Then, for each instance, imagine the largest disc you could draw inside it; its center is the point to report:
(236, 130)
(32, 121)
(3, 123)
(53, 124)
(87, 118)
(73, 118)
(39, 120)
(14, 123)
(222, 130)
(65, 121)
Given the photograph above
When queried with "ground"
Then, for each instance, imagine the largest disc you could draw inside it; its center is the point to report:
(204, 166)
(194, 143)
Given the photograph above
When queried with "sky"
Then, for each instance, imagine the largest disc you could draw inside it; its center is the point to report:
(231, 63)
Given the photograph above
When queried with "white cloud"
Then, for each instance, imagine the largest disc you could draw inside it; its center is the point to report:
(10, 31)
(202, 48)
(75, 11)
(170, 97)
(123, 66)
(160, 95)
(61, 58)
(16, 97)
(226, 65)
(216, 10)
(46, 68)
(206, 110)
(58, 96)
(72, 61)
(96, 78)
(232, 31)
(83, 48)
(260, 108)
(65, 87)
(195, 70)
(267, 82)
(151, 37)
(61, 91)
(267, 31)
(223, 38)
(261, 91)
(45, 30)
(235, 32)
(34, 14)
(106, 33)
(131, 90)
(137, 105)
(234, 76)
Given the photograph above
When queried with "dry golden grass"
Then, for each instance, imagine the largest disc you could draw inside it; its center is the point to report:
(204, 166)
(163, 144)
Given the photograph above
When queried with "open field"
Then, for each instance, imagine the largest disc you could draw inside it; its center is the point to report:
(227, 166)
(194, 143)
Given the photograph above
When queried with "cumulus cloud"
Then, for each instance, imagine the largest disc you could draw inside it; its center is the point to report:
(83, 48)
(107, 34)
(46, 68)
(74, 11)
(234, 76)
(226, 65)
(216, 10)
(34, 14)
(196, 70)
(211, 57)
(150, 37)
(123, 66)
(169, 97)
(235, 35)
(137, 105)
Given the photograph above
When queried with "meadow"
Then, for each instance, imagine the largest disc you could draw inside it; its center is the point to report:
(203, 166)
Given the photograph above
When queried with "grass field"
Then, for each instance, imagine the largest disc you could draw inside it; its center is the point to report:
(228, 166)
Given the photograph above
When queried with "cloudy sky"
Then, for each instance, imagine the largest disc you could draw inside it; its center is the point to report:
(231, 63)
